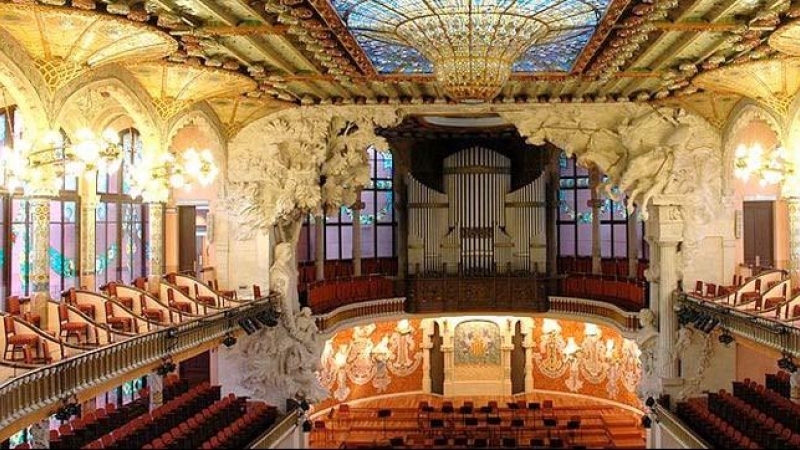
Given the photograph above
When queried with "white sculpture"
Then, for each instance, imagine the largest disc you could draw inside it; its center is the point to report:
(646, 339)
(283, 280)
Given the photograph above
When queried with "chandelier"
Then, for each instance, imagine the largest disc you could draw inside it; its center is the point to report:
(41, 164)
(772, 167)
(153, 178)
(472, 44)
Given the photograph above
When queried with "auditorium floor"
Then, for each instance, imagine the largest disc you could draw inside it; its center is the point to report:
(601, 425)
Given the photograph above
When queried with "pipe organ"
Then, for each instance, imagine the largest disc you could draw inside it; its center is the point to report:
(477, 226)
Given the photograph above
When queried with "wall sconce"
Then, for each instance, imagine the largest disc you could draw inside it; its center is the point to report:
(572, 349)
(403, 327)
(591, 329)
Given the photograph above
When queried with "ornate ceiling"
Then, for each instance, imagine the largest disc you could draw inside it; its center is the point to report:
(319, 52)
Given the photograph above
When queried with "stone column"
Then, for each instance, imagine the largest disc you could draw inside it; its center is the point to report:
(170, 237)
(319, 250)
(89, 202)
(39, 275)
(527, 344)
(357, 207)
(427, 327)
(402, 167)
(594, 203)
(633, 246)
(155, 234)
(666, 230)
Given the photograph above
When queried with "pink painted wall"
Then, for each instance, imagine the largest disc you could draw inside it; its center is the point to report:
(753, 364)
(759, 132)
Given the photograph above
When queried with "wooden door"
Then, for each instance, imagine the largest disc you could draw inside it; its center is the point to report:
(759, 230)
(197, 369)
(187, 242)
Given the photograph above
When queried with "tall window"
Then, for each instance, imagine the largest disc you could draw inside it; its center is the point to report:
(377, 219)
(121, 221)
(575, 216)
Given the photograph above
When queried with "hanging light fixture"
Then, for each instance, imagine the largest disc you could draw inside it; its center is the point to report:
(472, 44)
(153, 178)
(771, 167)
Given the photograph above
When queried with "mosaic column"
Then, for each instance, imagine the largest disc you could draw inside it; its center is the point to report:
(357, 207)
(319, 250)
(89, 201)
(794, 233)
(594, 204)
(155, 234)
(40, 434)
(155, 384)
(39, 257)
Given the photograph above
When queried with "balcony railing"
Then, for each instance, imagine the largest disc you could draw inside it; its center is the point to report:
(677, 430)
(625, 321)
(354, 312)
(759, 329)
(278, 433)
(44, 388)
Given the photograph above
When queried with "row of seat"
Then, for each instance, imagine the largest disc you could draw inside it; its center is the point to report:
(779, 382)
(145, 428)
(325, 296)
(777, 406)
(611, 267)
(239, 434)
(718, 432)
(344, 268)
(196, 429)
(79, 431)
(627, 294)
(752, 422)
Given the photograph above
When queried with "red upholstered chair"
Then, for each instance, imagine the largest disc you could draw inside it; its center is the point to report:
(698, 288)
(205, 299)
(711, 290)
(179, 305)
(256, 291)
(27, 343)
(124, 324)
(14, 308)
(112, 291)
(140, 283)
(69, 328)
(750, 296)
(222, 292)
(71, 297)
(152, 314)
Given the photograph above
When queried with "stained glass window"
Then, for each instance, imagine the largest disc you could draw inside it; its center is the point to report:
(383, 31)
(377, 219)
(575, 216)
(121, 222)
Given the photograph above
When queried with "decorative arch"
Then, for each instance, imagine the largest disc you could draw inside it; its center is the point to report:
(127, 93)
(745, 113)
(19, 77)
(199, 114)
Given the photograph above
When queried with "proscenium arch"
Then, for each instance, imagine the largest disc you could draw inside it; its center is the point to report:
(129, 95)
(745, 112)
(23, 83)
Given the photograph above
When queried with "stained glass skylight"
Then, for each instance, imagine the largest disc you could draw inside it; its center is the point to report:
(399, 35)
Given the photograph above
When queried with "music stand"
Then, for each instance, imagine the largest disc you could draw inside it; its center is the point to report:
(384, 414)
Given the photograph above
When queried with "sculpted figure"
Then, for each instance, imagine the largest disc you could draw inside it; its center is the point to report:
(283, 280)
(646, 338)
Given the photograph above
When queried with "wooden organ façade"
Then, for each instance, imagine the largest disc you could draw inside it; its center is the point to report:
(477, 219)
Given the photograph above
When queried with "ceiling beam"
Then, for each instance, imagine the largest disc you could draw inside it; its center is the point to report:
(242, 30)
(704, 25)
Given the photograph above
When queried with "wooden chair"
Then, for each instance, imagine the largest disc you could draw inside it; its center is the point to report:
(112, 291)
(27, 343)
(71, 297)
(204, 299)
(68, 328)
(750, 296)
(14, 308)
(124, 324)
(140, 283)
(152, 314)
(179, 305)
(225, 293)
(256, 291)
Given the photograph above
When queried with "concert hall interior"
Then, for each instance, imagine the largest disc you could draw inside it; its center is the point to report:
(399, 224)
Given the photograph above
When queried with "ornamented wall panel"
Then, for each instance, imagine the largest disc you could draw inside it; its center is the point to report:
(586, 359)
(375, 359)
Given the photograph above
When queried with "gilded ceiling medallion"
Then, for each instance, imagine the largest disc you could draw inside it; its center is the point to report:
(175, 86)
(771, 82)
(786, 39)
(66, 41)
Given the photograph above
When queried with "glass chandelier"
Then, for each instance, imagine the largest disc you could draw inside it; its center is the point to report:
(471, 43)
(153, 178)
(40, 165)
(772, 167)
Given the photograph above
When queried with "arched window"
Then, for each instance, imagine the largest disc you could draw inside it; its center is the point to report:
(121, 222)
(575, 217)
(378, 221)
